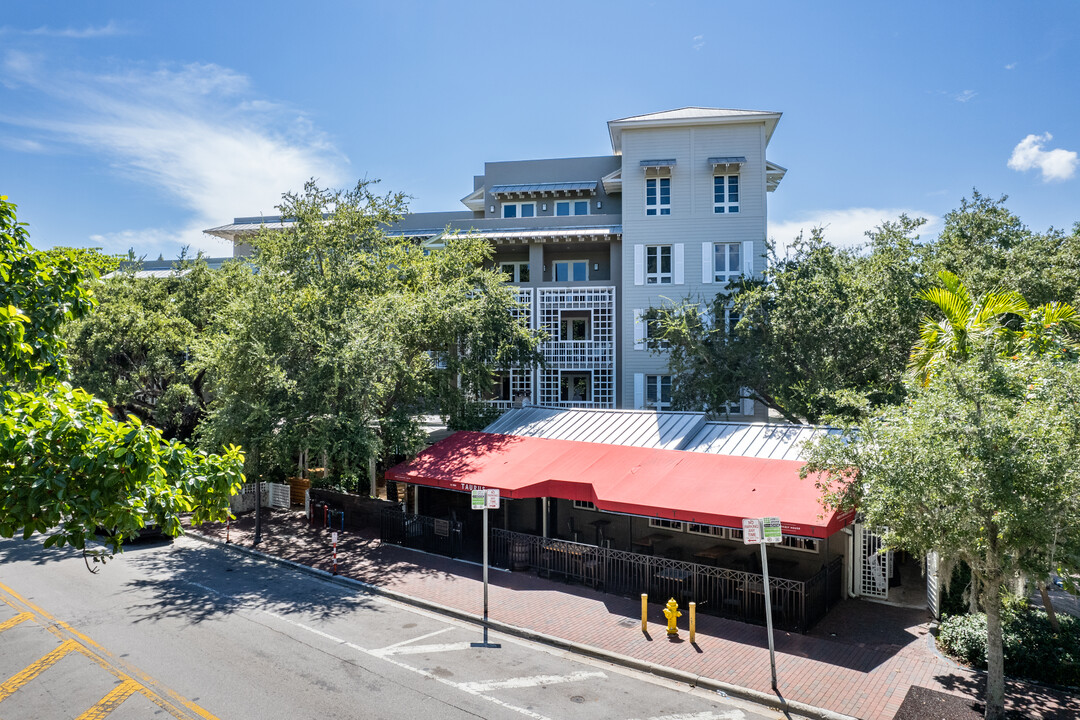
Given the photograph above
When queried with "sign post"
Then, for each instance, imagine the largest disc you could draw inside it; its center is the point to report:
(762, 532)
(483, 500)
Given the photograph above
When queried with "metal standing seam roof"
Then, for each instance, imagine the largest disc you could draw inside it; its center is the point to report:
(669, 162)
(597, 231)
(687, 431)
(545, 188)
(733, 160)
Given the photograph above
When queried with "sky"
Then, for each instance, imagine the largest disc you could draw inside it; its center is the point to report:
(138, 125)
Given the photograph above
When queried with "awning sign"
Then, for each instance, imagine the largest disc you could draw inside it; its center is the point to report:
(751, 531)
(485, 499)
(772, 531)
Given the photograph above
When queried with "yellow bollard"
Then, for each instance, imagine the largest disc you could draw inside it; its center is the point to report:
(645, 613)
(693, 621)
(671, 612)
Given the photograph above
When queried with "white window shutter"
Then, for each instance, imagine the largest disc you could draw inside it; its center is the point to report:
(639, 330)
(639, 390)
(704, 310)
(748, 258)
(639, 264)
(677, 263)
(706, 262)
(746, 402)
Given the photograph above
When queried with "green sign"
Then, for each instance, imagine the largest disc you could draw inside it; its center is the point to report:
(771, 532)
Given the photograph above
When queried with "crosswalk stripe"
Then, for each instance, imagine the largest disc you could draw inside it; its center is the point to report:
(31, 671)
(418, 649)
(12, 622)
(534, 681)
(110, 702)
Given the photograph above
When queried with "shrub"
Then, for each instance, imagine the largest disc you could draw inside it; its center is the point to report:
(1032, 649)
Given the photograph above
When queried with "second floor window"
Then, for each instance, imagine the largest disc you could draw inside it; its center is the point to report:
(658, 196)
(727, 262)
(516, 272)
(571, 207)
(574, 325)
(726, 194)
(570, 271)
(658, 392)
(658, 265)
(513, 210)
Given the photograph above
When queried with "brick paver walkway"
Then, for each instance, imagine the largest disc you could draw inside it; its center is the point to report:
(860, 660)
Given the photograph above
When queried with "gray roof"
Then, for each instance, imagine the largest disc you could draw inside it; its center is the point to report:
(569, 233)
(727, 160)
(689, 431)
(552, 187)
(658, 163)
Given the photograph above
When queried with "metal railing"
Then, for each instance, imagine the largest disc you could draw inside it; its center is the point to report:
(433, 535)
(796, 604)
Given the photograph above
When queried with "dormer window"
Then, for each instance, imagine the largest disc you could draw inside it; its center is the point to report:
(522, 209)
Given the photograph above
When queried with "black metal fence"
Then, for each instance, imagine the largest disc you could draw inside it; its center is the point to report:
(796, 604)
(442, 537)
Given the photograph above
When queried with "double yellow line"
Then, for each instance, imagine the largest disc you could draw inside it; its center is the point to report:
(132, 680)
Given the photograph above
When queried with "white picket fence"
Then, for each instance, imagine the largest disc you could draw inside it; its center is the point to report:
(274, 495)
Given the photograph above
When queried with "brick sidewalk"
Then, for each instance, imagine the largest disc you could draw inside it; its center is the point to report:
(860, 660)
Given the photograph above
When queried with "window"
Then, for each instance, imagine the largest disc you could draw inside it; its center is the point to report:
(725, 194)
(658, 265)
(799, 543)
(524, 209)
(571, 270)
(727, 262)
(500, 387)
(658, 196)
(516, 271)
(652, 335)
(666, 524)
(658, 392)
(731, 319)
(574, 325)
(584, 505)
(705, 530)
(575, 387)
(571, 207)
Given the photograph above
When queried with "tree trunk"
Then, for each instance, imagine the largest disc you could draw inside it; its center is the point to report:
(1054, 624)
(995, 657)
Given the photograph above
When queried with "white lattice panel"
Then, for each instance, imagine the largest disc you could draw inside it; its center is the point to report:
(592, 359)
(873, 564)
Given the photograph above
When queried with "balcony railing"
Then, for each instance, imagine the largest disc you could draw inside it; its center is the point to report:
(579, 354)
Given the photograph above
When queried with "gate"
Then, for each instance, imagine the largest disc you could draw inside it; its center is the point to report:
(933, 584)
(873, 564)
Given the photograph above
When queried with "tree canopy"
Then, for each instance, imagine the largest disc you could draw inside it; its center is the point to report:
(67, 467)
(345, 334)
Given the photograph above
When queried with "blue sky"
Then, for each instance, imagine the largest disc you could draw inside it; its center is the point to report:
(140, 124)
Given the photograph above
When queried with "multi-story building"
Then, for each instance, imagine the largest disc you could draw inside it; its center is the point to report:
(677, 210)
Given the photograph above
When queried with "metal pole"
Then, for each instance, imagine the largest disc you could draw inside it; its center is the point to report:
(485, 573)
(258, 513)
(768, 612)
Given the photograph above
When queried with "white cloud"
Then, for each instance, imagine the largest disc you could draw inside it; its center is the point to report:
(965, 96)
(108, 30)
(698, 42)
(1011, 66)
(844, 228)
(195, 133)
(1056, 164)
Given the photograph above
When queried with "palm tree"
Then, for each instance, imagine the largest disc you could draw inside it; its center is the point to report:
(1045, 330)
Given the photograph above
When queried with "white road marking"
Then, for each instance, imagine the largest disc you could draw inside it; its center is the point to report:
(534, 681)
(415, 639)
(419, 649)
(707, 715)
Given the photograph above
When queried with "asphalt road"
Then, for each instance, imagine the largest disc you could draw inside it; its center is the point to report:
(190, 630)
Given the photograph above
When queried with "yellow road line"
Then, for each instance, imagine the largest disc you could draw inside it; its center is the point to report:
(12, 622)
(168, 700)
(110, 702)
(31, 671)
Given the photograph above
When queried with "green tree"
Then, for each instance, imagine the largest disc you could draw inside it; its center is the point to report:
(133, 352)
(67, 467)
(979, 465)
(826, 334)
(346, 334)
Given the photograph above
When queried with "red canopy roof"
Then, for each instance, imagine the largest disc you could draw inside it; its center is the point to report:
(687, 486)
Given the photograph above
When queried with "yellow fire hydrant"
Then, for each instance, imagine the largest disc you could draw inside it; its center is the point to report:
(671, 612)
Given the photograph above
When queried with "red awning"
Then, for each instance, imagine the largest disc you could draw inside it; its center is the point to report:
(691, 487)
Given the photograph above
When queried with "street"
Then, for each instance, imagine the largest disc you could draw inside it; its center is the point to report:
(190, 630)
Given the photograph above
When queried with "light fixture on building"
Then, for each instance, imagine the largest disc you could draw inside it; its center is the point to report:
(596, 266)
(492, 208)
(599, 204)
(543, 206)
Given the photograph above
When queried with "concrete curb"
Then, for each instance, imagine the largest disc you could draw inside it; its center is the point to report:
(755, 696)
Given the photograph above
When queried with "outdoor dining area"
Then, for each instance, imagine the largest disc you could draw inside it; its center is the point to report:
(639, 520)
